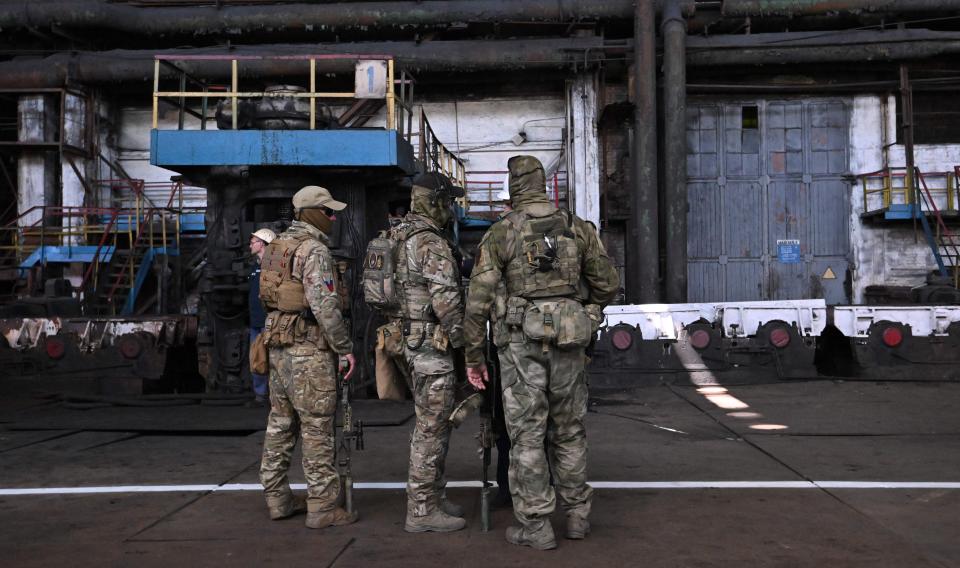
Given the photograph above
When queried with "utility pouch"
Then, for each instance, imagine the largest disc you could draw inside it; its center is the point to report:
(390, 338)
(441, 340)
(516, 307)
(260, 355)
(413, 334)
(540, 321)
(575, 327)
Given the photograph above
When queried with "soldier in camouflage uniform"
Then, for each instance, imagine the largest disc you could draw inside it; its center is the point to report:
(306, 336)
(558, 279)
(431, 312)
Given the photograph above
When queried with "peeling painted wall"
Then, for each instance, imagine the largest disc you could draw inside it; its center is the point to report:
(887, 254)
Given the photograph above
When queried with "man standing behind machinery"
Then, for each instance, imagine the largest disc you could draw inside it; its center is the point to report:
(558, 279)
(258, 244)
(306, 332)
(426, 307)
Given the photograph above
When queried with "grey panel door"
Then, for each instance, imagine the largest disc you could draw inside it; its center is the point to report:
(769, 208)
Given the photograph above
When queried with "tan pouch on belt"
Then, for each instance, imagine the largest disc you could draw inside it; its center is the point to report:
(260, 355)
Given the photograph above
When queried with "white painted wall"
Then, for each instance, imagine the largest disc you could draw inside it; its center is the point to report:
(36, 178)
(887, 255)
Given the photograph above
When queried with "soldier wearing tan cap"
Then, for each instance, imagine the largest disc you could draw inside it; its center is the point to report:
(306, 336)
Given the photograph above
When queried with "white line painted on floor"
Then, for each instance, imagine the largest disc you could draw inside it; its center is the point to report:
(597, 484)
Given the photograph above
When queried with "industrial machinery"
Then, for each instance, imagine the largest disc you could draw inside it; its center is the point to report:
(269, 143)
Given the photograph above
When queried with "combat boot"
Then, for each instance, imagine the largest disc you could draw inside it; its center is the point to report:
(332, 518)
(437, 521)
(577, 527)
(541, 539)
(449, 507)
(283, 507)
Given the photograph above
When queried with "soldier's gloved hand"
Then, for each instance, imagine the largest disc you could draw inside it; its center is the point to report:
(478, 377)
(348, 363)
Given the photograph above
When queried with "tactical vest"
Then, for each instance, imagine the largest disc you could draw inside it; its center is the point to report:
(388, 283)
(546, 260)
(278, 289)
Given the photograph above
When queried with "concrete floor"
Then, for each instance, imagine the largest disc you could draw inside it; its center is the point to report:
(789, 432)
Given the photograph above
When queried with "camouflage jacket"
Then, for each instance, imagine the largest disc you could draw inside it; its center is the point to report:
(496, 251)
(313, 267)
(430, 278)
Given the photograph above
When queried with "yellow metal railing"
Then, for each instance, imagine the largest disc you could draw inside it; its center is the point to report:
(394, 119)
(893, 186)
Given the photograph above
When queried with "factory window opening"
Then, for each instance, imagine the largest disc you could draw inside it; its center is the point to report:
(750, 118)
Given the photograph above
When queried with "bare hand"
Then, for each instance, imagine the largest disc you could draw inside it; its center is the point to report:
(478, 377)
(348, 362)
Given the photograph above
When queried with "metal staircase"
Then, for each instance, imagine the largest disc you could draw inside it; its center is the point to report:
(944, 243)
(120, 247)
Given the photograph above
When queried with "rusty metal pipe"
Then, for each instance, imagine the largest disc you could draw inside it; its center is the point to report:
(125, 66)
(675, 154)
(643, 235)
(307, 17)
(820, 47)
(745, 8)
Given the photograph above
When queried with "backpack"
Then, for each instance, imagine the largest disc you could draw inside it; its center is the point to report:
(380, 286)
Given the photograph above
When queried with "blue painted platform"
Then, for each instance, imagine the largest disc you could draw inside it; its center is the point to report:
(900, 211)
(347, 148)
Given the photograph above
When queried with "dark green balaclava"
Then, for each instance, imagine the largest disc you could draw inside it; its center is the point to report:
(527, 181)
(431, 197)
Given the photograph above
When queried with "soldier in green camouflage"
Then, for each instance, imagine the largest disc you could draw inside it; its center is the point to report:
(431, 312)
(558, 279)
(306, 336)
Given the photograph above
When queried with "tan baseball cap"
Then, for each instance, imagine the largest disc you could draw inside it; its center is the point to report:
(265, 235)
(316, 196)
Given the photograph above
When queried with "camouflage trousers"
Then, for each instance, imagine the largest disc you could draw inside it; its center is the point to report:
(430, 375)
(303, 403)
(545, 397)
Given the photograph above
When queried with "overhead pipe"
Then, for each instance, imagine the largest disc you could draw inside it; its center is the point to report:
(643, 236)
(125, 66)
(308, 17)
(674, 31)
(820, 47)
(748, 8)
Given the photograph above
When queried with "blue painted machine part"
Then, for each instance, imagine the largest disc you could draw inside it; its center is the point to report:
(358, 148)
(66, 254)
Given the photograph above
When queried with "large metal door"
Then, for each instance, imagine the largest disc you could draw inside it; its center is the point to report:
(769, 208)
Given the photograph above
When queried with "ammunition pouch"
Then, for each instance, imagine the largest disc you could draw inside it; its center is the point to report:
(516, 308)
(286, 329)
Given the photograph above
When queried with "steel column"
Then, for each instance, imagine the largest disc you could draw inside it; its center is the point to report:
(675, 153)
(643, 265)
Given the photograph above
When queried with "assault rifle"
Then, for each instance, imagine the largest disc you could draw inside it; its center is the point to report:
(487, 437)
(351, 436)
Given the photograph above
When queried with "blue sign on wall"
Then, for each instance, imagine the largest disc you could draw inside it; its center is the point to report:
(788, 251)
